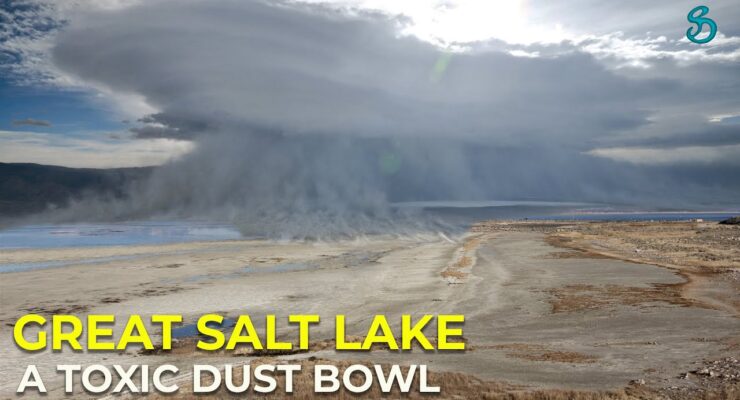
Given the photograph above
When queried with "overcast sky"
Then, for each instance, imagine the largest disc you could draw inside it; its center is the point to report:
(572, 100)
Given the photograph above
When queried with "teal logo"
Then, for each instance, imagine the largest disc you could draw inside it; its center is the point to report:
(696, 16)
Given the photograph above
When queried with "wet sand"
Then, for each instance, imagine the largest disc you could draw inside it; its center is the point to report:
(537, 318)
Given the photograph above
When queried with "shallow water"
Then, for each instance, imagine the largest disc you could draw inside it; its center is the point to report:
(191, 330)
(120, 234)
(466, 212)
(18, 267)
(641, 216)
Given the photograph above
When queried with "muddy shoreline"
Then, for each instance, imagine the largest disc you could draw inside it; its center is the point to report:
(552, 309)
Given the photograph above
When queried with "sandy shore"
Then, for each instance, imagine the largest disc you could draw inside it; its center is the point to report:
(548, 307)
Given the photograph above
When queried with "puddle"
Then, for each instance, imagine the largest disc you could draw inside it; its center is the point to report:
(191, 330)
(28, 266)
(286, 267)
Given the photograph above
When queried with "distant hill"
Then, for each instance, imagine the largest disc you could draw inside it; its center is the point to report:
(28, 188)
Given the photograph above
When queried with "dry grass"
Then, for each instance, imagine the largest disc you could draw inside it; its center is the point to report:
(472, 243)
(708, 246)
(706, 254)
(573, 254)
(581, 297)
(536, 352)
(451, 274)
(463, 260)
(705, 247)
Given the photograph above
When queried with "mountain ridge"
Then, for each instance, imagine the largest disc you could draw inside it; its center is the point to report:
(27, 188)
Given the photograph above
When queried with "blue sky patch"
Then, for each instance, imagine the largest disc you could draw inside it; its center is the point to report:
(67, 111)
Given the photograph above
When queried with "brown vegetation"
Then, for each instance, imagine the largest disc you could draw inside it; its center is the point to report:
(706, 254)
(710, 247)
(580, 297)
(536, 352)
(462, 261)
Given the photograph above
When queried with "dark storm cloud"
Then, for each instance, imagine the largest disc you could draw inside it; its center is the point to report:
(173, 126)
(31, 122)
(151, 132)
(306, 118)
(306, 71)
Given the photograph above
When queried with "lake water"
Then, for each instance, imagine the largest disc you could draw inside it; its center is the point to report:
(465, 213)
(120, 234)
(641, 216)
(460, 214)
(455, 213)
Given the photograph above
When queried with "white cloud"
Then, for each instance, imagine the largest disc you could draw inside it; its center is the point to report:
(733, 118)
(729, 154)
(521, 25)
(522, 53)
(51, 149)
(640, 52)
